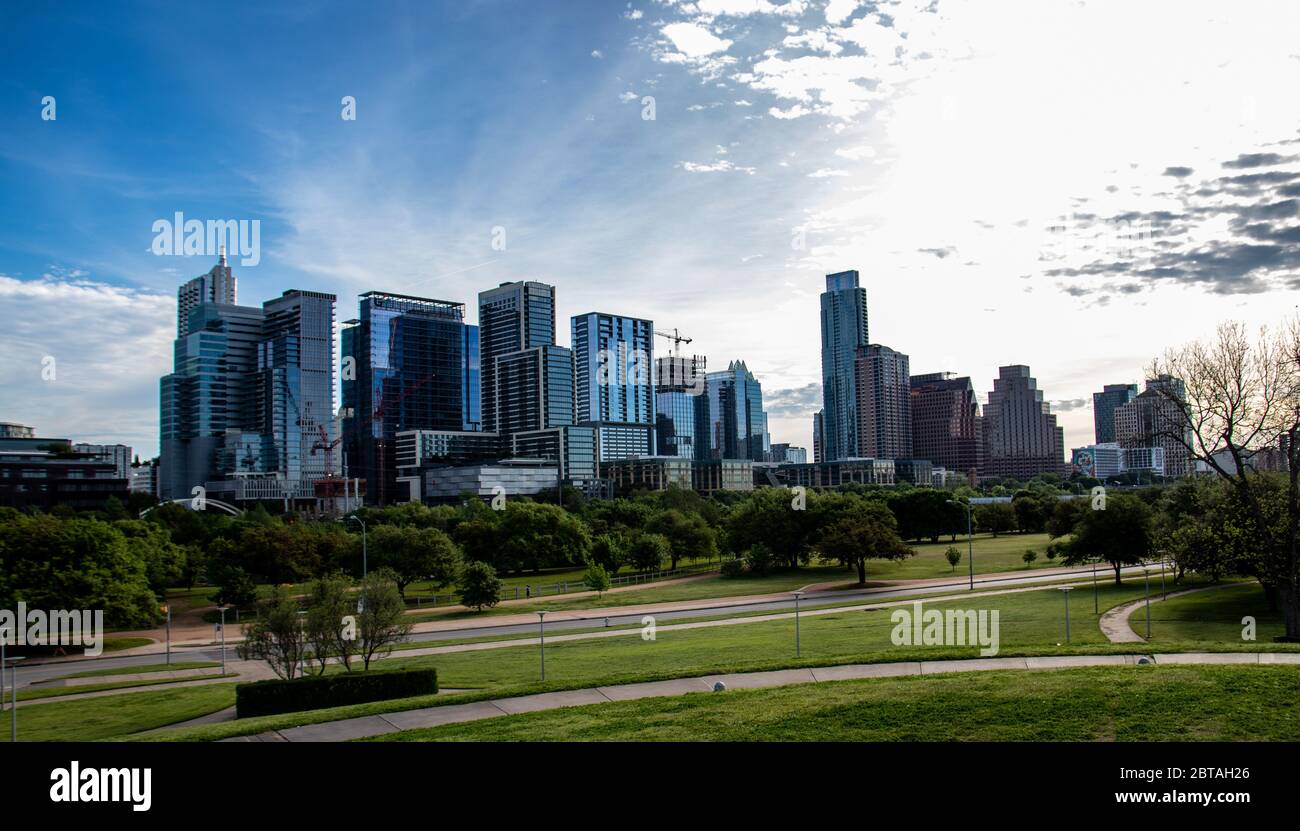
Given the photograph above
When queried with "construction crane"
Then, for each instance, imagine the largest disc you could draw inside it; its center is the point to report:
(676, 337)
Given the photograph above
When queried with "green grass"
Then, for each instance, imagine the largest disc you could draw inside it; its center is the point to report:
(992, 555)
(1136, 703)
(117, 716)
(1210, 616)
(94, 673)
(57, 692)
(119, 644)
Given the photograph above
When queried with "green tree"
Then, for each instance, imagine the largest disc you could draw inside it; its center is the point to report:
(413, 553)
(647, 552)
(596, 579)
(953, 556)
(995, 517)
(858, 529)
(164, 561)
(1120, 534)
(535, 536)
(329, 602)
(1029, 556)
(380, 616)
(235, 587)
(688, 535)
(773, 517)
(610, 551)
(277, 636)
(479, 585)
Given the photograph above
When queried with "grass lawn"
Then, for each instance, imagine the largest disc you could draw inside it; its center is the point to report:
(94, 673)
(57, 692)
(1211, 616)
(1138, 703)
(991, 555)
(119, 644)
(116, 716)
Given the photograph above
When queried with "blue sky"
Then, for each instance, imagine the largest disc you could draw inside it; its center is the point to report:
(1030, 183)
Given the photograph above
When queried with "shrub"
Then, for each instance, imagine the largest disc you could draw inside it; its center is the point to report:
(733, 568)
(760, 559)
(1030, 556)
(264, 698)
(479, 585)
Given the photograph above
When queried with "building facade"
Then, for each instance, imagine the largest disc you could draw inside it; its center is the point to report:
(1021, 437)
(511, 317)
(1104, 404)
(614, 392)
(884, 404)
(946, 421)
(736, 426)
(843, 333)
(1155, 418)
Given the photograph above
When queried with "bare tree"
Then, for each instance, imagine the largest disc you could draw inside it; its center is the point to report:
(1242, 396)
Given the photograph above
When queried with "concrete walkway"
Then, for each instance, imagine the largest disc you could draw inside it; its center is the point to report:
(1114, 623)
(378, 725)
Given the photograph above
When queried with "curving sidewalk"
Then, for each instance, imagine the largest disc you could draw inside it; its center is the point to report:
(367, 726)
(1114, 623)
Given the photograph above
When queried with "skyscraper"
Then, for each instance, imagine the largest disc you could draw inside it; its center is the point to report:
(511, 317)
(217, 286)
(736, 423)
(1155, 418)
(843, 333)
(534, 389)
(411, 368)
(884, 404)
(1103, 409)
(1021, 438)
(250, 395)
(945, 421)
(614, 389)
(819, 436)
(681, 407)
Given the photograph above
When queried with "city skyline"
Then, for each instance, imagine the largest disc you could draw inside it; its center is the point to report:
(775, 156)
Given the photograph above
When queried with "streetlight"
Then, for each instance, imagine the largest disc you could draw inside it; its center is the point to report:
(13, 694)
(168, 609)
(541, 628)
(797, 595)
(364, 553)
(223, 608)
(1094, 588)
(970, 542)
(1146, 579)
(1065, 591)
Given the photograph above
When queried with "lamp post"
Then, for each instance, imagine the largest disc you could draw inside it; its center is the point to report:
(970, 542)
(1065, 591)
(1094, 588)
(1146, 580)
(541, 629)
(364, 553)
(797, 595)
(223, 608)
(168, 609)
(13, 694)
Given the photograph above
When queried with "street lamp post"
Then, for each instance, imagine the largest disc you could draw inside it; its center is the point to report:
(223, 608)
(364, 552)
(1065, 591)
(1094, 588)
(13, 694)
(970, 542)
(168, 609)
(541, 629)
(1146, 580)
(797, 595)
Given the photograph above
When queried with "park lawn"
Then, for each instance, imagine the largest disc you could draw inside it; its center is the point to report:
(117, 716)
(1132, 703)
(992, 555)
(1032, 621)
(57, 692)
(119, 644)
(175, 665)
(1211, 616)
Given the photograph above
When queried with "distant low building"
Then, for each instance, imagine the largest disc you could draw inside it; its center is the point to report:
(916, 471)
(836, 473)
(40, 473)
(118, 455)
(506, 477)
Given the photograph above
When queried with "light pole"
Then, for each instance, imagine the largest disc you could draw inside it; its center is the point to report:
(168, 609)
(541, 629)
(1094, 588)
(797, 595)
(13, 694)
(223, 608)
(364, 553)
(1065, 591)
(1146, 580)
(970, 542)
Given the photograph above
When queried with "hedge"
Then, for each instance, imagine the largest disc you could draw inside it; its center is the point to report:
(315, 692)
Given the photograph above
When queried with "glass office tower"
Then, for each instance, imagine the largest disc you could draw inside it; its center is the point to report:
(737, 425)
(511, 317)
(844, 332)
(614, 389)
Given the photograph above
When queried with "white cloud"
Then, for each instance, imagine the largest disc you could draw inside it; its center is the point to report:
(837, 11)
(694, 41)
(720, 166)
(826, 173)
(597, 54)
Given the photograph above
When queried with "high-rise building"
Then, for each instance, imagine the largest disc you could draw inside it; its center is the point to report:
(217, 286)
(250, 395)
(945, 421)
(843, 333)
(884, 405)
(118, 455)
(1021, 438)
(1155, 418)
(784, 453)
(511, 317)
(534, 389)
(736, 426)
(681, 406)
(210, 390)
(614, 389)
(410, 365)
(1103, 409)
(819, 436)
